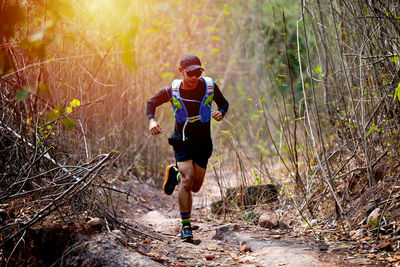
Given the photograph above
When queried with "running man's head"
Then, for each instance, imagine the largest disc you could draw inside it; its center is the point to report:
(191, 70)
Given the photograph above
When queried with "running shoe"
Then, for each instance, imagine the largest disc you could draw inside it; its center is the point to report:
(186, 234)
(170, 179)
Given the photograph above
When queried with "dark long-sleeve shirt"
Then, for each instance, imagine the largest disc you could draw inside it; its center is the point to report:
(195, 131)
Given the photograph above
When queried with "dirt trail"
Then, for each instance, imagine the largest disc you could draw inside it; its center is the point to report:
(219, 245)
(218, 242)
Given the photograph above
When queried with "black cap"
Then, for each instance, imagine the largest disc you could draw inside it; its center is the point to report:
(190, 62)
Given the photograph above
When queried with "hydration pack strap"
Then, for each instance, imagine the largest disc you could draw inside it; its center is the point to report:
(175, 86)
(191, 120)
(210, 85)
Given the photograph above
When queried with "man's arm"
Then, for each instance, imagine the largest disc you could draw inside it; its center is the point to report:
(161, 97)
(155, 127)
(222, 104)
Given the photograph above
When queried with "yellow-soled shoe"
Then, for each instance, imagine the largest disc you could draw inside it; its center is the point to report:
(170, 179)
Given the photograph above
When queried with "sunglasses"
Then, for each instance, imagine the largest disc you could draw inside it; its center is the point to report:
(196, 73)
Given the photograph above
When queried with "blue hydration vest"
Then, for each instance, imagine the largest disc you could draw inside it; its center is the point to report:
(181, 115)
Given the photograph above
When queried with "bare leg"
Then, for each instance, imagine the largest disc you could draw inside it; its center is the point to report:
(192, 177)
(185, 195)
(198, 178)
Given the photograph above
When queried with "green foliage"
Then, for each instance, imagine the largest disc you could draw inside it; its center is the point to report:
(397, 92)
(60, 9)
(68, 123)
(257, 178)
(396, 60)
(56, 113)
(374, 224)
(60, 114)
(34, 43)
(45, 131)
(10, 16)
(262, 146)
(286, 190)
(21, 95)
(43, 90)
(374, 128)
(128, 57)
(5, 63)
(319, 72)
(169, 75)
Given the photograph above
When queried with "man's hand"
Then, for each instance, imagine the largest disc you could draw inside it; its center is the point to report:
(155, 127)
(217, 115)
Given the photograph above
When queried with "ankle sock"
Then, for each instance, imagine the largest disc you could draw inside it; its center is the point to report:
(178, 177)
(185, 217)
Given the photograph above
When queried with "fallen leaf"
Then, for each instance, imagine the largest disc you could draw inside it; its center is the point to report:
(210, 257)
(384, 245)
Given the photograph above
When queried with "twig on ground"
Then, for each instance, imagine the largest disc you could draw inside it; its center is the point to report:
(50, 207)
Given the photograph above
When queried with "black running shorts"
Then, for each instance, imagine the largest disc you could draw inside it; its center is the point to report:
(199, 152)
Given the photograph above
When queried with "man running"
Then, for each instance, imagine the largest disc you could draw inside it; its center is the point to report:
(191, 98)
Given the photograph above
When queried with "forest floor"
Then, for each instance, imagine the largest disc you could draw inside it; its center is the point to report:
(228, 241)
(148, 234)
